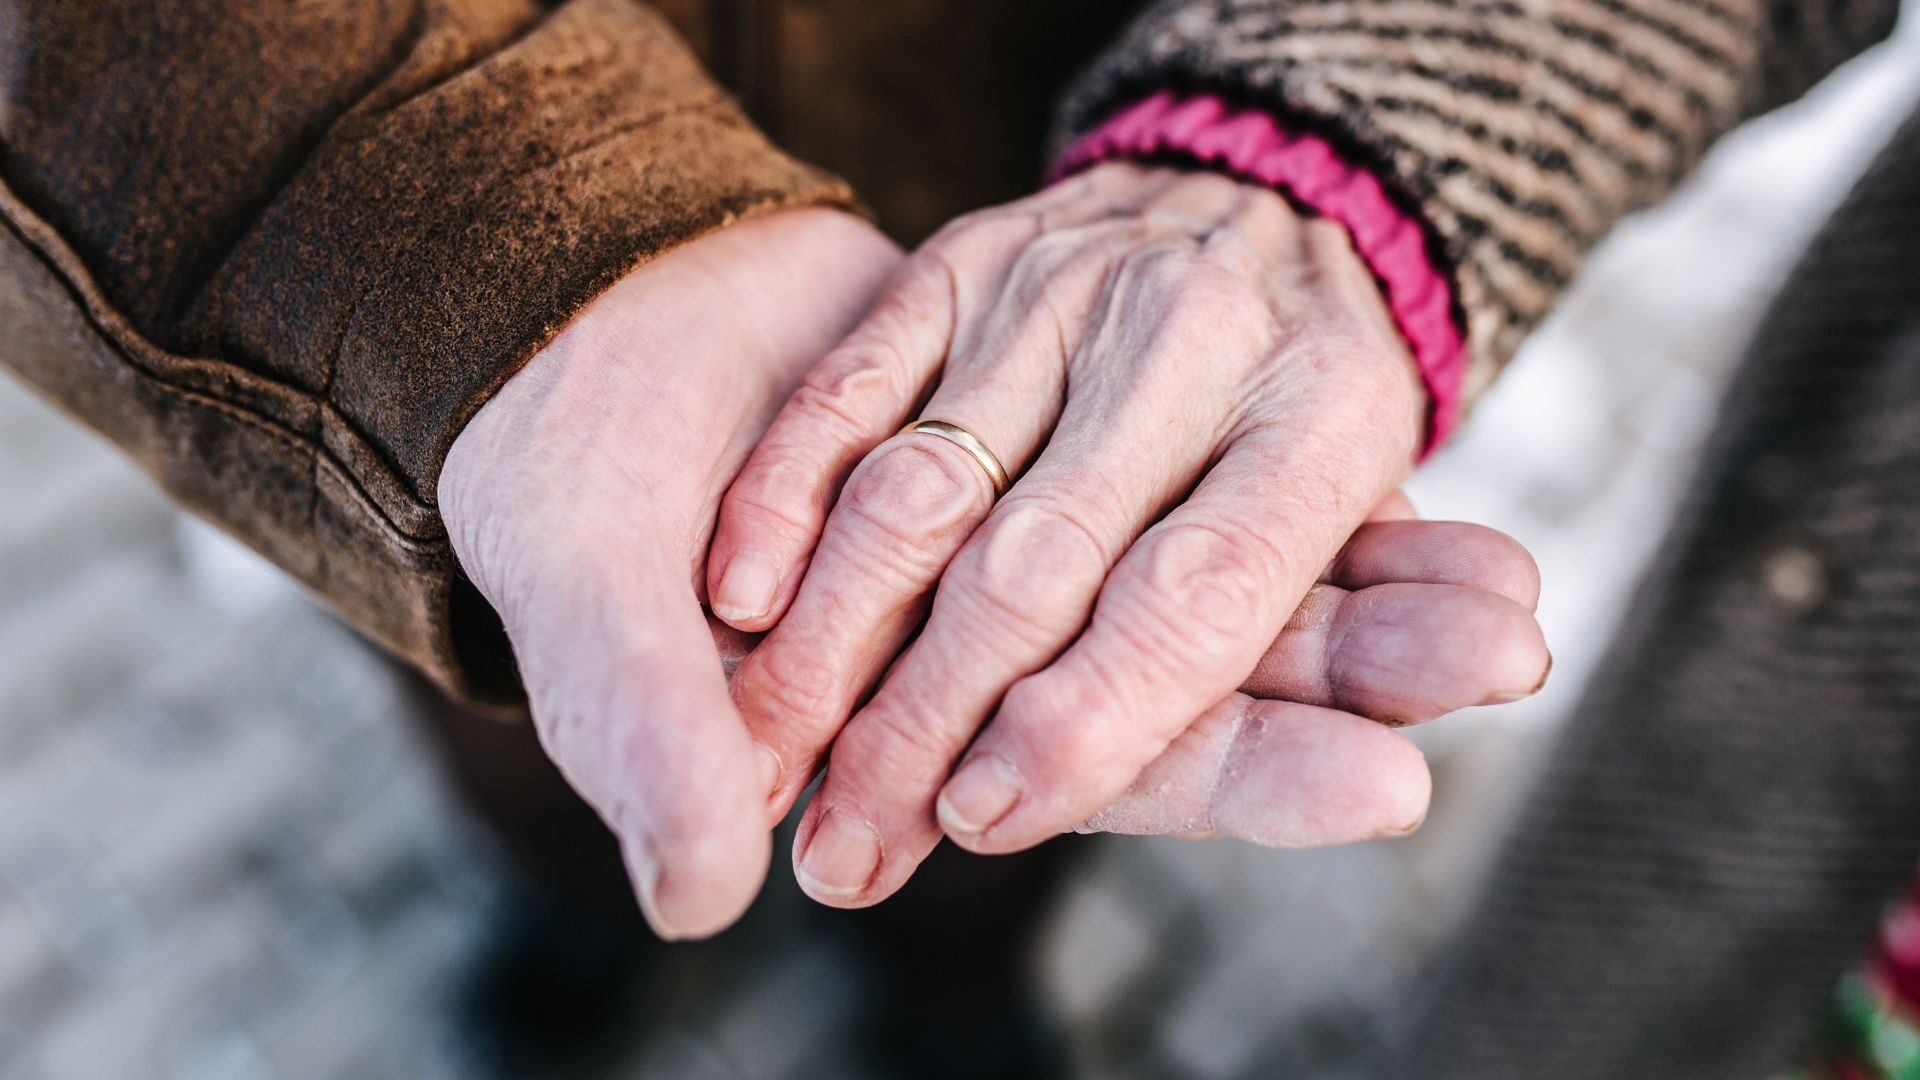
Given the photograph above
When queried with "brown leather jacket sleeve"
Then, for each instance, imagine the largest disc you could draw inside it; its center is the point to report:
(282, 252)
(1520, 132)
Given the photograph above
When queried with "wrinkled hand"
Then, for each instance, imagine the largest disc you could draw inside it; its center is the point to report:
(1413, 620)
(1202, 396)
(580, 501)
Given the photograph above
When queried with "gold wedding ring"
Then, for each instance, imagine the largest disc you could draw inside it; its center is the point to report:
(968, 441)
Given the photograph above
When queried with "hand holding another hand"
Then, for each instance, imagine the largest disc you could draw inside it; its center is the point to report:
(582, 498)
(580, 501)
(1202, 396)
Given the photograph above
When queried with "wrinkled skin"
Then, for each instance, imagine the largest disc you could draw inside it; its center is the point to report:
(1202, 396)
(581, 501)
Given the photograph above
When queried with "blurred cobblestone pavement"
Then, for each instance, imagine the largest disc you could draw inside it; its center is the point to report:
(223, 854)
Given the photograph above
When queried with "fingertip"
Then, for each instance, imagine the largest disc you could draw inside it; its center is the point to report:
(693, 887)
(1515, 652)
(1051, 756)
(1299, 777)
(1395, 507)
(1415, 652)
(837, 857)
(1503, 565)
(1508, 697)
(769, 522)
(981, 794)
(1438, 553)
(679, 784)
(1403, 784)
(745, 593)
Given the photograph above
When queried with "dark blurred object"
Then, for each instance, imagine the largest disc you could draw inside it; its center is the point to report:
(930, 116)
(946, 966)
(549, 991)
(952, 953)
(1739, 796)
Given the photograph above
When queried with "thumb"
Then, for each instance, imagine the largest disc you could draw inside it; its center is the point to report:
(631, 703)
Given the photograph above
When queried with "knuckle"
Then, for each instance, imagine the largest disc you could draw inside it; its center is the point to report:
(1331, 246)
(922, 297)
(1266, 211)
(854, 388)
(1064, 724)
(1073, 253)
(912, 492)
(794, 685)
(1216, 188)
(782, 490)
(1083, 743)
(1086, 186)
(1216, 294)
(1202, 590)
(1200, 298)
(1034, 570)
(988, 233)
(1057, 280)
(1231, 249)
(1002, 615)
(893, 749)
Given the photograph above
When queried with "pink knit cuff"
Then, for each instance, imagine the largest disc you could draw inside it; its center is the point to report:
(1253, 145)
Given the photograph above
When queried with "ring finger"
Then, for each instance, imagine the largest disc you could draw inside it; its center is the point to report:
(911, 504)
(1017, 594)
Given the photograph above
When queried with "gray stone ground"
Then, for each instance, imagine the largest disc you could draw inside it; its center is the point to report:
(224, 856)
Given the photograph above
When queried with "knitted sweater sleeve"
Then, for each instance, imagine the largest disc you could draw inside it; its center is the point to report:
(1517, 132)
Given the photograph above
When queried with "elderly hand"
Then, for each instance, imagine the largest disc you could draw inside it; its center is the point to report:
(1202, 396)
(580, 501)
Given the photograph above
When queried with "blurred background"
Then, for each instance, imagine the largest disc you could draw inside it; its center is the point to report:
(225, 854)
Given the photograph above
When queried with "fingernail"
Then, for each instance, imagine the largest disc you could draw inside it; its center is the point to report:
(769, 769)
(979, 796)
(746, 588)
(1399, 831)
(841, 858)
(643, 870)
(1508, 699)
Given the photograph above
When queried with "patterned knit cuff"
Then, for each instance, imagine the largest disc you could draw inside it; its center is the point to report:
(1255, 146)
